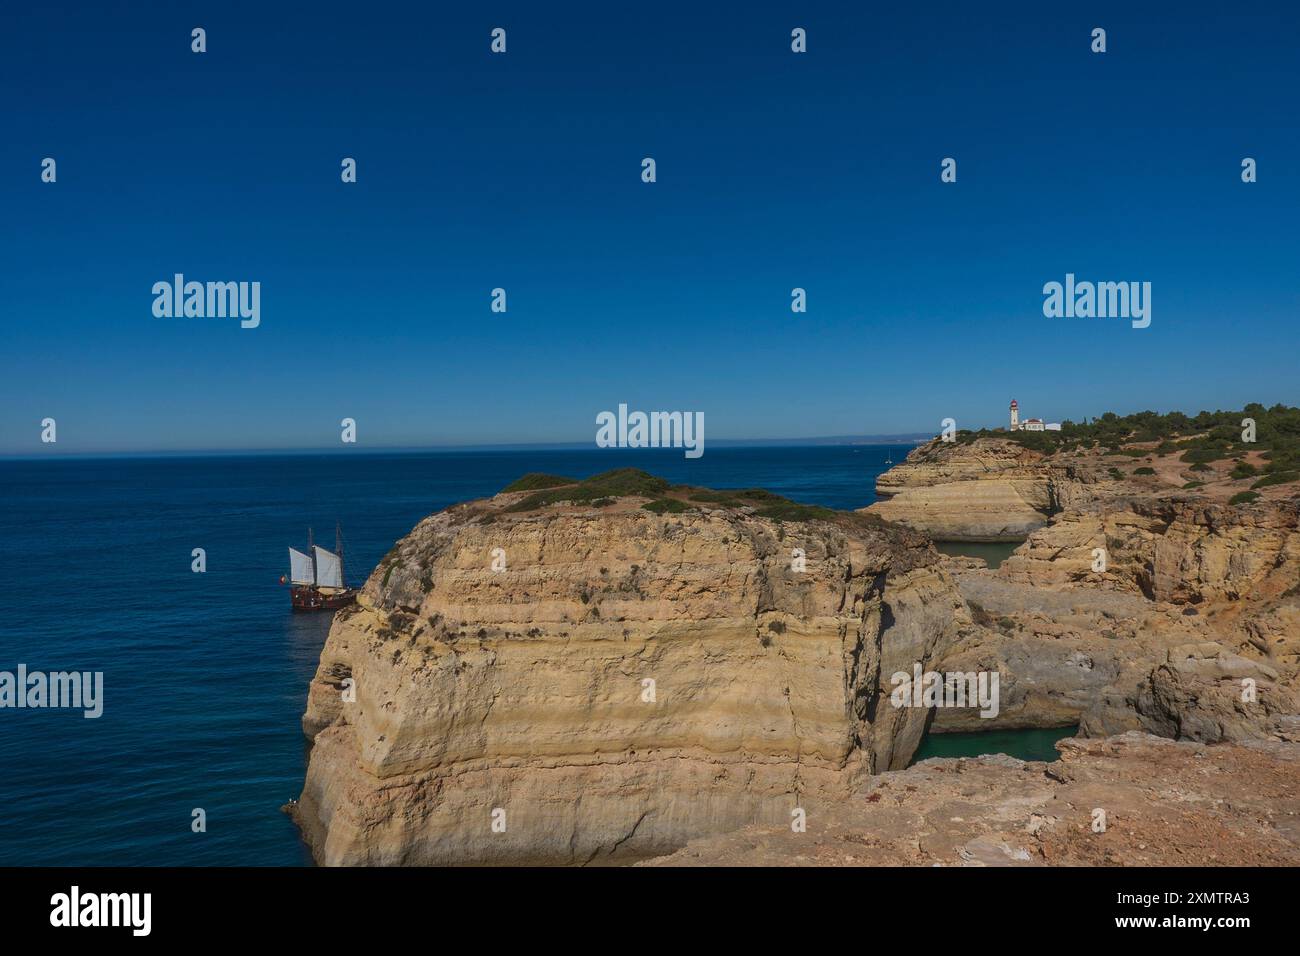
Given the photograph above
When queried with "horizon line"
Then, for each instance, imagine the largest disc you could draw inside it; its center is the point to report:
(899, 438)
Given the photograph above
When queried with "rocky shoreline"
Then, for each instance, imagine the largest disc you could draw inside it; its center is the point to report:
(500, 654)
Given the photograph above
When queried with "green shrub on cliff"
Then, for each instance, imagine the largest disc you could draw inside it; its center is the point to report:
(536, 481)
(1244, 498)
(1200, 456)
(1036, 441)
(1200, 438)
(603, 489)
(735, 497)
(1277, 478)
(765, 503)
(793, 511)
(666, 506)
(608, 484)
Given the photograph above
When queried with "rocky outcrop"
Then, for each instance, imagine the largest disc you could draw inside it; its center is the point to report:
(989, 489)
(1176, 549)
(1162, 803)
(1204, 693)
(560, 683)
(1195, 597)
(1056, 653)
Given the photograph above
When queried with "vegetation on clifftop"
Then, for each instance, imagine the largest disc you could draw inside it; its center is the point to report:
(602, 489)
(1196, 439)
(536, 481)
(608, 484)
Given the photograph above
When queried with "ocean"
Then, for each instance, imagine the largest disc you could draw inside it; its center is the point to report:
(205, 675)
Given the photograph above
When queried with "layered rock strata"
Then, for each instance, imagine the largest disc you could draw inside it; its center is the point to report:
(989, 490)
(1133, 605)
(566, 683)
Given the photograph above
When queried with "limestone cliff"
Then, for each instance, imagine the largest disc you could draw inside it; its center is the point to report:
(1182, 549)
(990, 489)
(1197, 593)
(501, 655)
(1196, 596)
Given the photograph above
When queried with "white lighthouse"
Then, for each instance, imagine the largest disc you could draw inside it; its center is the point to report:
(1015, 415)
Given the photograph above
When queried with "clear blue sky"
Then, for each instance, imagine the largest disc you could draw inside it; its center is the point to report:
(523, 171)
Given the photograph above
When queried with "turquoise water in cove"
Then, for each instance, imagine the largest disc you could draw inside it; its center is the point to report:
(1024, 744)
(205, 675)
(994, 553)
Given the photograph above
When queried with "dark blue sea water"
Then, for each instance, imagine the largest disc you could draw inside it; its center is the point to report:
(206, 674)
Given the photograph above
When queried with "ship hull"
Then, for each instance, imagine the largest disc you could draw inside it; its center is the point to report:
(313, 599)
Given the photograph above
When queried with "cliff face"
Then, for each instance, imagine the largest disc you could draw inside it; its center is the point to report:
(1198, 599)
(1176, 549)
(519, 696)
(987, 490)
(1197, 595)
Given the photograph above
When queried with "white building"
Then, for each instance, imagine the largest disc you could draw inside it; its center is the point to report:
(1030, 424)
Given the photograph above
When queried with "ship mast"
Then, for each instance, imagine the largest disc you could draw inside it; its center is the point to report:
(338, 546)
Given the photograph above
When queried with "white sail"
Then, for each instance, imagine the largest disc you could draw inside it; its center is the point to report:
(300, 568)
(329, 568)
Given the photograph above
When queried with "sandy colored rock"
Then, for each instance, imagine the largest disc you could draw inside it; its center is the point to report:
(521, 690)
(988, 490)
(1165, 804)
(1177, 549)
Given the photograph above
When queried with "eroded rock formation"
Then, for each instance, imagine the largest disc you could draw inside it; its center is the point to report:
(518, 695)
(1087, 622)
(1179, 549)
(988, 490)
(500, 655)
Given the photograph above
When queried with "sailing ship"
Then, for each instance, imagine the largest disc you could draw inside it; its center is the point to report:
(316, 581)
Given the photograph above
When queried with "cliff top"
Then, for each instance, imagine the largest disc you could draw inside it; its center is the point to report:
(631, 488)
(1214, 463)
(632, 523)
